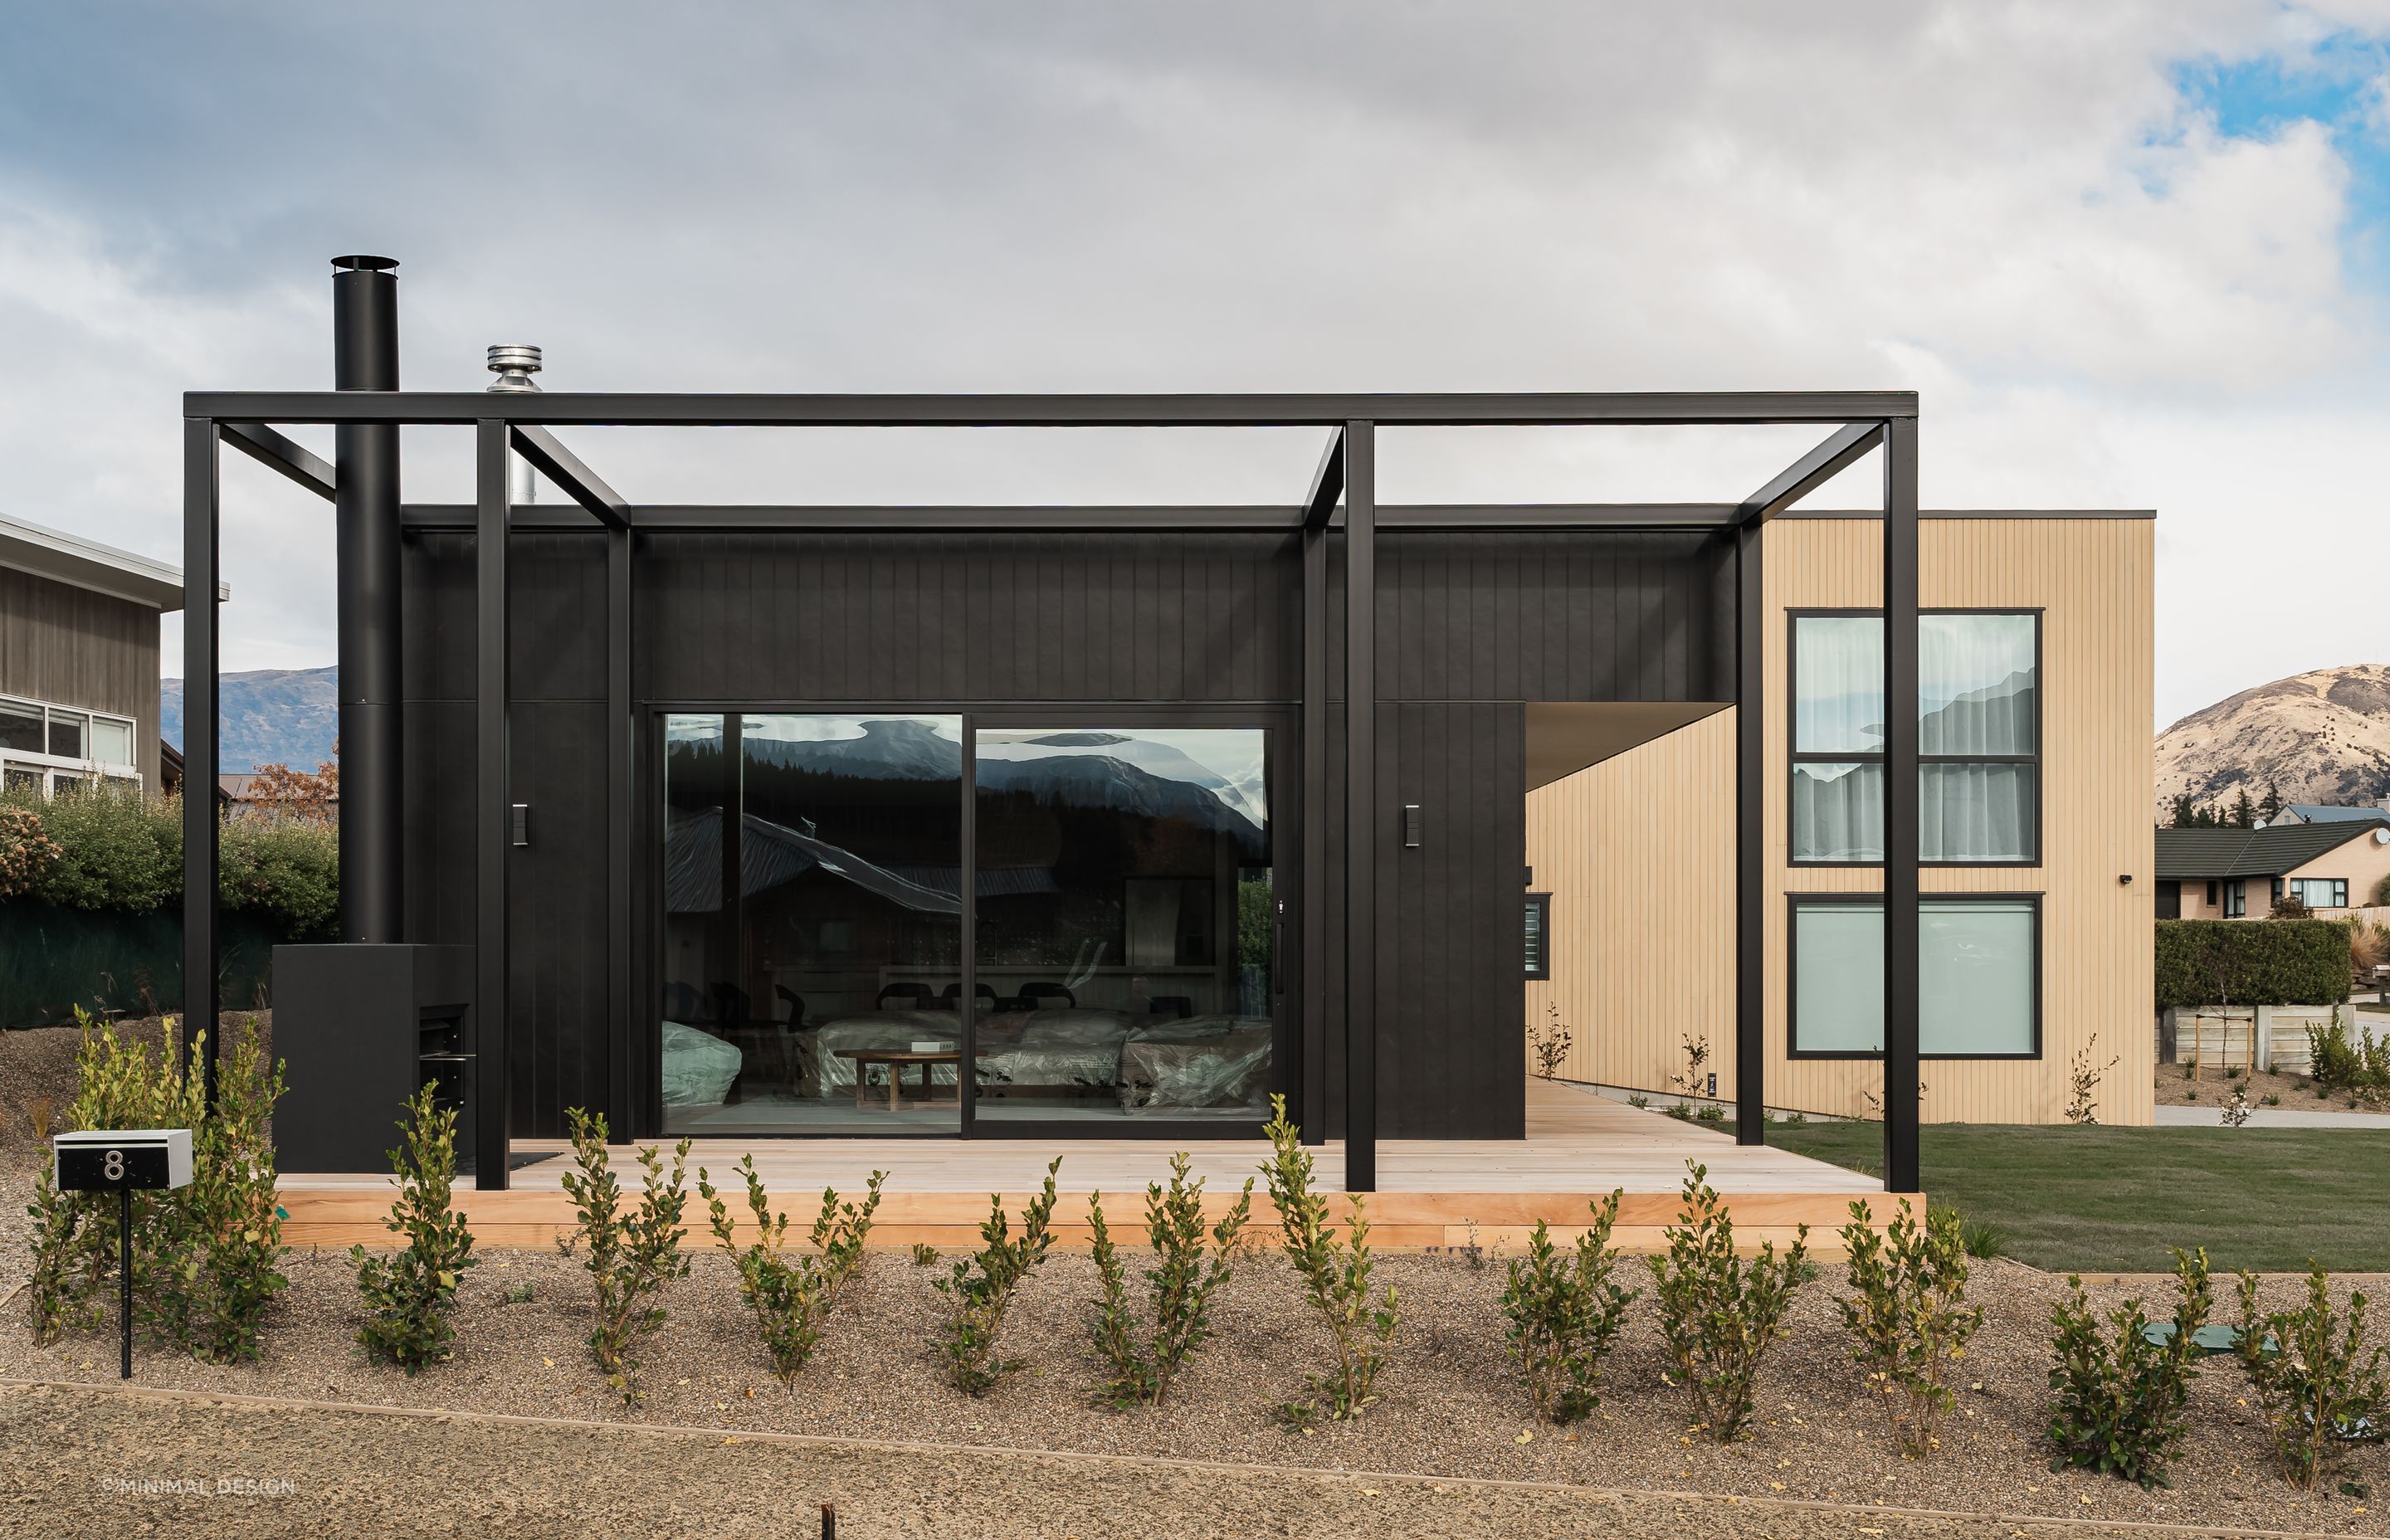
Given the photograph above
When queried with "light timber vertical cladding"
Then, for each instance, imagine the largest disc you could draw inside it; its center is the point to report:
(2093, 581)
(1638, 853)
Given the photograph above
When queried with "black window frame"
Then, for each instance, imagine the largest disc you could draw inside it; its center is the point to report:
(1796, 755)
(2337, 884)
(1542, 905)
(2236, 898)
(1793, 903)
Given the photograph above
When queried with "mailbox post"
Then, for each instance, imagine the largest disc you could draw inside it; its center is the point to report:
(125, 1161)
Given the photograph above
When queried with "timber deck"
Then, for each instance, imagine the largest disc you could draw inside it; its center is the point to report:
(1431, 1192)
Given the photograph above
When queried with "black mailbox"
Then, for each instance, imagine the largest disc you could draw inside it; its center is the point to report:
(138, 1160)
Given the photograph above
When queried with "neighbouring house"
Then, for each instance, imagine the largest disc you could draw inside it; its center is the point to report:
(2035, 678)
(2311, 812)
(2330, 865)
(79, 675)
(1052, 822)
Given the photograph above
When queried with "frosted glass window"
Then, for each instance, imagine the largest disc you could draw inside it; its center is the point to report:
(1837, 684)
(111, 742)
(1975, 977)
(1838, 978)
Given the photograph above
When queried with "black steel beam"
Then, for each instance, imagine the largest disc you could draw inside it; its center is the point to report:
(622, 819)
(1028, 519)
(559, 465)
(649, 409)
(200, 739)
(1811, 471)
(1750, 842)
(1900, 808)
(283, 456)
(1361, 833)
(491, 815)
(1327, 484)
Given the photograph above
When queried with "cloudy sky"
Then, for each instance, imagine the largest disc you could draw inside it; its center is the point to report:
(2130, 254)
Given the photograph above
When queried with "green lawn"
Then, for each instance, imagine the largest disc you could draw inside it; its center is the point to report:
(2100, 1198)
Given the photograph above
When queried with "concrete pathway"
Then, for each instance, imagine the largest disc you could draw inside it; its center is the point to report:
(2273, 1117)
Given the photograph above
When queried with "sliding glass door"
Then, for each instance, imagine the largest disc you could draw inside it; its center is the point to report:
(817, 991)
(820, 872)
(1126, 924)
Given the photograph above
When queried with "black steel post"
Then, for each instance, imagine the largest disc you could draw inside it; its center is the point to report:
(125, 1276)
(365, 357)
(1361, 831)
(1312, 970)
(622, 819)
(492, 818)
(1750, 844)
(1900, 807)
(200, 735)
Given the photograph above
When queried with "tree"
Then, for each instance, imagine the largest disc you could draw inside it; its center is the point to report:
(2185, 814)
(296, 794)
(2244, 812)
(2270, 806)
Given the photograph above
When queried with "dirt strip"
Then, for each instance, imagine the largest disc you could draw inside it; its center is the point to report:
(85, 1460)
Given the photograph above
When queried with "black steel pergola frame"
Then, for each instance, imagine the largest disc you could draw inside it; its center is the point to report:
(1346, 479)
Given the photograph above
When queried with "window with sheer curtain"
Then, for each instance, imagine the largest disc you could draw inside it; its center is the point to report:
(1978, 739)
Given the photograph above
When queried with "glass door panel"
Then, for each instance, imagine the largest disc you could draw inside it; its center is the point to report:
(1125, 924)
(821, 996)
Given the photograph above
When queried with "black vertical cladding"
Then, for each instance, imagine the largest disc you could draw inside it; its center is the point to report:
(764, 619)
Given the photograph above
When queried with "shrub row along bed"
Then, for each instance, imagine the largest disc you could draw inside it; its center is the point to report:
(2118, 1382)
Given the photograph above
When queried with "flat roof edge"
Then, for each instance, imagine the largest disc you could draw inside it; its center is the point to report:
(80, 563)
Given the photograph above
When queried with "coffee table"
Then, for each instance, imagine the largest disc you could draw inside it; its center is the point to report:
(897, 1059)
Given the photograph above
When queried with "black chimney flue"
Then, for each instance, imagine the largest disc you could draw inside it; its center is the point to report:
(365, 357)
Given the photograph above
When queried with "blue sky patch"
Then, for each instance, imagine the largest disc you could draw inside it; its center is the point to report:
(2337, 83)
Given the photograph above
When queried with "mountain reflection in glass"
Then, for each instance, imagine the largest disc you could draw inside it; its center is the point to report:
(1127, 923)
(835, 969)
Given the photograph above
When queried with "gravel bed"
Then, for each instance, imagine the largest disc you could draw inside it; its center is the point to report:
(1451, 1405)
(2212, 1090)
(37, 1064)
(97, 1462)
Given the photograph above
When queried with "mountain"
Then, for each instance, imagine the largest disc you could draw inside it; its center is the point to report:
(271, 717)
(2316, 738)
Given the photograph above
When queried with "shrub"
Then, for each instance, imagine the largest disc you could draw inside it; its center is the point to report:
(1564, 1312)
(206, 1257)
(1908, 1316)
(791, 1296)
(2116, 1398)
(1719, 1315)
(979, 1292)
(924, 1255)
(632, 1256)
(2291, 962)
(1982, 1238)
(107, 847)
(1548, 1043)
(408, 1295)
(2317, 1385)
(1179, 1289)
(27, 853)
(2084, 1074)
(1336, 1279)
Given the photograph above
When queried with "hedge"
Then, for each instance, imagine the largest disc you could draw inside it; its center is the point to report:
(2265, 962)
(107, 849)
